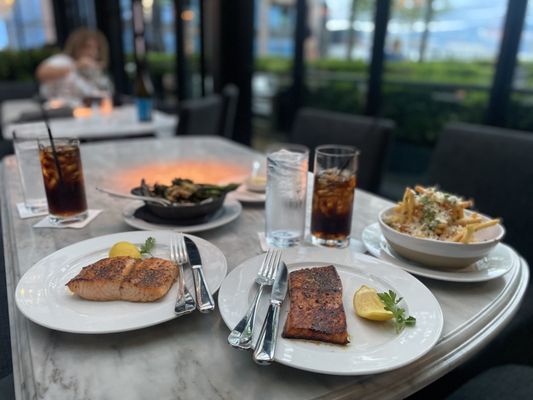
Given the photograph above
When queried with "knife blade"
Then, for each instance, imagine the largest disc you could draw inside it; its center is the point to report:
(204, 300)
(279, 288)
(266, 344)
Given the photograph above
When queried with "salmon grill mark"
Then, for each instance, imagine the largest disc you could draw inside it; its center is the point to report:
(125, 278)
(316, 311)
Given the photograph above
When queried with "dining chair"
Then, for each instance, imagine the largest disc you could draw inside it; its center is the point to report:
(230, 95)
(6, 148)
(202, 116)
(16, 91)
(502, 382)
(493, 166)
(313, 127)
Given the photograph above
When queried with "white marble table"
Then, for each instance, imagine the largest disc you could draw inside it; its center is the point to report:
(121, 122)
(189, 358)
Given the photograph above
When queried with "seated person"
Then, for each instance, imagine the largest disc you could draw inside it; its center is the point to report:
(79, 72)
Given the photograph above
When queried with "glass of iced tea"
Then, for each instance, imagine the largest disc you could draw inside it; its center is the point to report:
(63, 180)
(333, 193)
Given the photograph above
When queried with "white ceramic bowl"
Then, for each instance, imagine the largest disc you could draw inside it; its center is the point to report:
(438, 253)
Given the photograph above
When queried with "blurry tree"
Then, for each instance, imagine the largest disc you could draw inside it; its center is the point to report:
(409, 11)
(416, 10)
(153, 11)
(356, 7)
(157, 27)
(428, 16)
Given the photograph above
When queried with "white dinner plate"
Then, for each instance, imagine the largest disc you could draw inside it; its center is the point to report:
(374, 346)
(42, 296)
(229, 212)
(497, 263)
(247, 196)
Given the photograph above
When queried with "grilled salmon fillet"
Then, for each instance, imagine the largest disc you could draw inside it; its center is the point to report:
(149, 280)
(124, 278)
(101, 281)
(316, 311)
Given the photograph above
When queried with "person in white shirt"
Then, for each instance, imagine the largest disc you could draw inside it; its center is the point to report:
(78, 72)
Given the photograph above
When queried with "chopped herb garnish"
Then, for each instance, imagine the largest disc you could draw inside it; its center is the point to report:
(148, 246)
(390, 302)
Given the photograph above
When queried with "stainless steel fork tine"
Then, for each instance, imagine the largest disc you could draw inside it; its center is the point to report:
(171, 246)
(184, 249)
(177, 247)
(266, 263)
(270, 263)
(181, 250)
(273, 264)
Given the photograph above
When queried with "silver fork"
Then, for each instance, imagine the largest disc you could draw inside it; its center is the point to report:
(241, 336)
(185, 303)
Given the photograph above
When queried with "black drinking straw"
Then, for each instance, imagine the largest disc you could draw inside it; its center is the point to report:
(56, 159)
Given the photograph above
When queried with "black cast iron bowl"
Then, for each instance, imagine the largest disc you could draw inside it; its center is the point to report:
(183, 212)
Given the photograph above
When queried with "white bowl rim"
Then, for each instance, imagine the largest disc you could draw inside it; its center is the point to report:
(448, 243)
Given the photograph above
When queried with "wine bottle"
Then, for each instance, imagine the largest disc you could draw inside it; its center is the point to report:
(143, 92)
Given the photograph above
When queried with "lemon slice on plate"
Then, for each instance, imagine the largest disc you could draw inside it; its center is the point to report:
(124, 249)
(368, 305)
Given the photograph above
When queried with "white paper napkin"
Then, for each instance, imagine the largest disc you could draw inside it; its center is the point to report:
(25, 212)
(45, 222)
(262, 241)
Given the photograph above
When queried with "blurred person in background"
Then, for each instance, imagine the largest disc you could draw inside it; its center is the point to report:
(79, 72)
(395, 53)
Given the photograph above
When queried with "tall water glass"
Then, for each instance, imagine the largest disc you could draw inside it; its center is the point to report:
(333, 193)
(27, 154)
(287, 166)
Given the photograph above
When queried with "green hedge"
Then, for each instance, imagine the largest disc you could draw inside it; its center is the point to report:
(420, 111)
(420, 115)
(21, 65)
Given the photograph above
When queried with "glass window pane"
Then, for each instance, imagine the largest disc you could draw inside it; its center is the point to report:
(336, 59)
(337, 54)
(440, 57)
(160, 42)
(274, 23)
(27, 24)
(519, 112)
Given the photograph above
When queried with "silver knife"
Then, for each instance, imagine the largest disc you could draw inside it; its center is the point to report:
(204, 300)
(266, 344)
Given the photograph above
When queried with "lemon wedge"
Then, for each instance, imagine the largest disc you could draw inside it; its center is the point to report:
(124, 249)
(368, 305)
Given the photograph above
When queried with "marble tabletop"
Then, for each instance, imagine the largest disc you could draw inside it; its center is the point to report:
(121, 122)
(189, 357)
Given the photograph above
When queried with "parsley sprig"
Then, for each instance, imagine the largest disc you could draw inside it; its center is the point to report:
(391, 304)
(148, 246)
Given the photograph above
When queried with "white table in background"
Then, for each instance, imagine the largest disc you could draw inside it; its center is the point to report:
(121, 122)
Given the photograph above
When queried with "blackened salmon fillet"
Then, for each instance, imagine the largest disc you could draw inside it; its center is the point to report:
(125, 278)
(316, 311)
